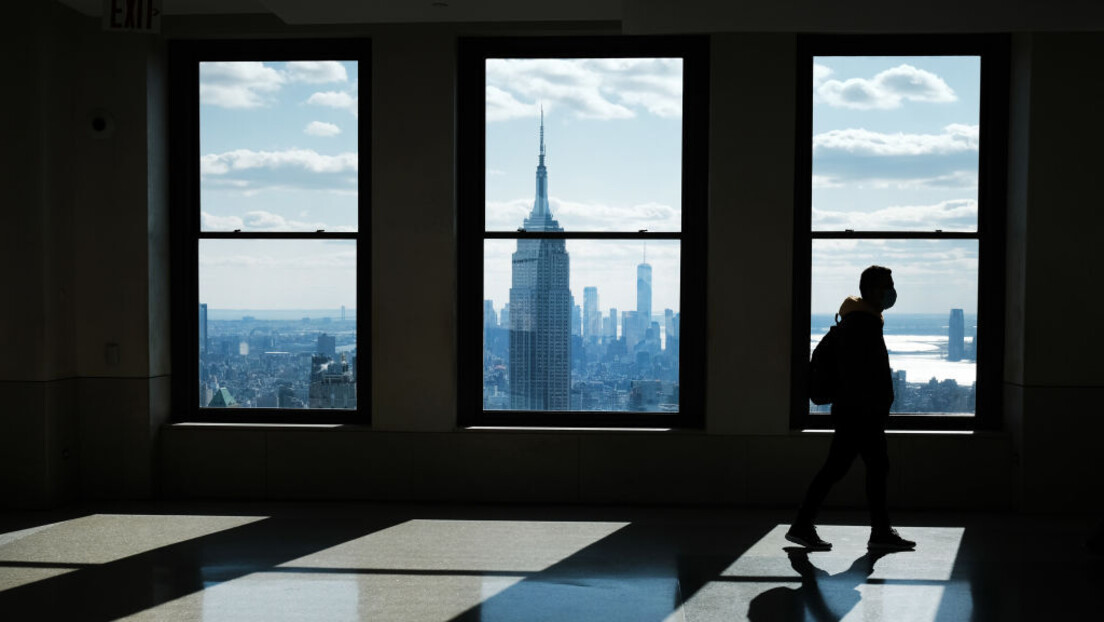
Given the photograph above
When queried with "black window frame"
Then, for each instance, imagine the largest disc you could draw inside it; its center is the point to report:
(185, 57)
(471, 80)
(993, 49)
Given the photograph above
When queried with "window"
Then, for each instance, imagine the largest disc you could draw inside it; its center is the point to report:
(901, 165)
(582, 190)
(268, 208)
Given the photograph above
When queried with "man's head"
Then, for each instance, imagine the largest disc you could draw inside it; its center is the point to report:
(876, 287)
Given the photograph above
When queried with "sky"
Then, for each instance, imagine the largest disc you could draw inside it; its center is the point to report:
(279, 152)
(613, 138)
(895, 148)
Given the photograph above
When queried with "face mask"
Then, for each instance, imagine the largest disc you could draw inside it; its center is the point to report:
(889, 298)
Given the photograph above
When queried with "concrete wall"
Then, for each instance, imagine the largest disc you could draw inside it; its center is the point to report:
(86, 250)
(1056, 377)
(95, 274)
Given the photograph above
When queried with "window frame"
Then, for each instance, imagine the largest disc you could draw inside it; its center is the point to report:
(471, 155)
(993, 51)
(184, 59)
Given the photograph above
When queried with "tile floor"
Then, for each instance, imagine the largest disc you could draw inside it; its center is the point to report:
(333, 562)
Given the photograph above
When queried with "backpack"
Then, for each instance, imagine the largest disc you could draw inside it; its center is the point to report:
(824, 367)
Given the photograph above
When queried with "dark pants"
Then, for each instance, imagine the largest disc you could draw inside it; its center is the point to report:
(847, 443)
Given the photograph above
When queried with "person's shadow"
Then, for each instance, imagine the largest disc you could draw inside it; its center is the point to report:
(821, 597)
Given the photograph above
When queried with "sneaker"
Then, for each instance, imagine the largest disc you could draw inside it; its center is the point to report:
(808, 538)
(889, 541)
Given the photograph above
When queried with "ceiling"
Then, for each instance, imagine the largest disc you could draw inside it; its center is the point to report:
(661, 16)
(386, 11)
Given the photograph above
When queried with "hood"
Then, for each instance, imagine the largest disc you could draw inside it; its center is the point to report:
(853, 303)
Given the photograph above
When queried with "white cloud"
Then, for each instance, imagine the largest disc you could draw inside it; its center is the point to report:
(321, 128)
(826, 181)
(238, 84)
(820, 74)
(211, 222)
(260, 220)
(341, 100)
(316, 71)
(956, 138)
(953, 215)
(250, 84)
(886, 90)
(502, 106)
(589, 88)
(306, 159)
(581, 216)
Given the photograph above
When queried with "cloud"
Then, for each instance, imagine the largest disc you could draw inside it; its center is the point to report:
(502, 106)
(945, 160)
(956, 138)
(238, 84)
(316, 71)
(820, 74)
(953, 215)
(321, 128)
(260, 220)
(251, 84)
(341, 100)
(306, 159)
(279, 265)
(584, 216)
(589, 88)
(885, 91)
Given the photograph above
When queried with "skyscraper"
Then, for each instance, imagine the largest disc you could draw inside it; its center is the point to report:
(540, 310)
(956, 336)
(327, 345)
(592, 317)
(643, 296)
(490, 318)
(203, 328)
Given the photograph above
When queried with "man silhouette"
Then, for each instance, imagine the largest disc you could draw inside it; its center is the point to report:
(860, 409)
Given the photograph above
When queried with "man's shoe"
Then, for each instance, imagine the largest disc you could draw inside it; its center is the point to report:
(889, 541)
(808, 538)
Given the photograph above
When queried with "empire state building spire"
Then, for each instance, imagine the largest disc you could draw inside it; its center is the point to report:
(540, 218)
(540, 162)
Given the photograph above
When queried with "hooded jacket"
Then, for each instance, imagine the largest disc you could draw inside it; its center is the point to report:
(865, 391)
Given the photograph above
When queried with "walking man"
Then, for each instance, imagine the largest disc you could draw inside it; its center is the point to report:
(860, 410)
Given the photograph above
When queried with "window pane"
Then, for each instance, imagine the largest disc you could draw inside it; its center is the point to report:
(278, 146)
(931, 332)
(895, 143)
(612, 142)
(581, 325)
(277, 323)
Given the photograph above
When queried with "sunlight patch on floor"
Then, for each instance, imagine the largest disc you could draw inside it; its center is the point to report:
(463, 545)
(764, 582)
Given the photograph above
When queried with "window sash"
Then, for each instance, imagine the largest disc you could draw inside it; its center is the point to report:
(185, 57)
(992, 156)
(470, 181)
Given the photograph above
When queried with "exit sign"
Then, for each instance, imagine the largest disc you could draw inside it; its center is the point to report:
(132, 15)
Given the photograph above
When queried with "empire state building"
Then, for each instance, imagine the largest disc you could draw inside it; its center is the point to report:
(540, 310)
